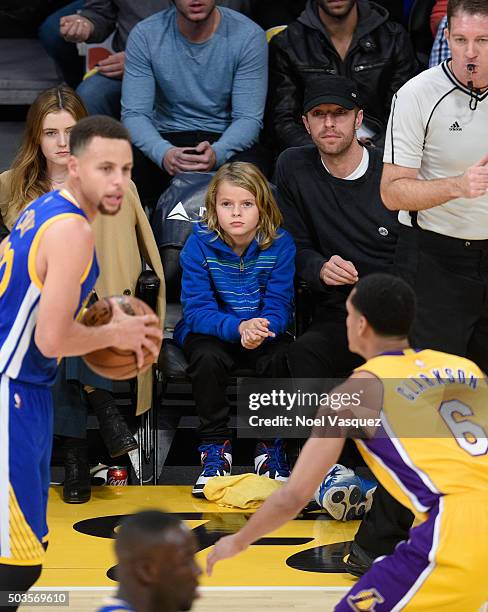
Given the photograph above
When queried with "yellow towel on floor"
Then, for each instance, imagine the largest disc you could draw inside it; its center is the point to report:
(243, 491)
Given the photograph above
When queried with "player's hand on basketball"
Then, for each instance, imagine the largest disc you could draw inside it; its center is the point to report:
(136, 333)
(338, 271)
(225, 548)
(474, 182)
(75, 28)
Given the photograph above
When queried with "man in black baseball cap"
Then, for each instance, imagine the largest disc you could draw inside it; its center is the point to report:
(330, 199)
(332, 116)
(331, 90)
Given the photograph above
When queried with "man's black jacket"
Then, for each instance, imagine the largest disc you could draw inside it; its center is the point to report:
(380, 60)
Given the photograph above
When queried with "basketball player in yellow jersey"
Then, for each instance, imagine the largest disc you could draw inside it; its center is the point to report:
(47, 270)
(424, 424)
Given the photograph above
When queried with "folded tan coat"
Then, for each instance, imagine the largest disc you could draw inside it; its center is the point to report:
(120, 241)
(246, 491)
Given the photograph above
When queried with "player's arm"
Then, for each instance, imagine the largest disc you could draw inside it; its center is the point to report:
(64, 253)
(316, 458)
(402, 190)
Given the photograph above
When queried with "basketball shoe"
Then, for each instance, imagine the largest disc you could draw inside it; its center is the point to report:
(368, 487)
(345, 495)
(270, 460)
(358, 561)
(216, 460)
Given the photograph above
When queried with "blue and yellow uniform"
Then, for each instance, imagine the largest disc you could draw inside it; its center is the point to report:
(115, 605)
(431, 454)
(25, 380)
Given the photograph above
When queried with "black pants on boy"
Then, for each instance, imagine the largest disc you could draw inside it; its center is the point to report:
(210, 362)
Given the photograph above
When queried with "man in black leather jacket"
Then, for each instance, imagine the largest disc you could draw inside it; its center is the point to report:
(352, 38)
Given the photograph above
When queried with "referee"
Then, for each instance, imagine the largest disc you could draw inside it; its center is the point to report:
(436, 175)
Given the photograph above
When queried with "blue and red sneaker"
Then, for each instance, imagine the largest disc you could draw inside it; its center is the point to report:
(216, 460)
(270, 460)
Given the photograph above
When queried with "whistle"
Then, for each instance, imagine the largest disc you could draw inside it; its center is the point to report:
(470, 67)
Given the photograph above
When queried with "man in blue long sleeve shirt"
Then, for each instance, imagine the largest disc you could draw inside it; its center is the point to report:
(193, 92)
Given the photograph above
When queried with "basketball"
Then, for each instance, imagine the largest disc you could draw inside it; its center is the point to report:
(112, 362)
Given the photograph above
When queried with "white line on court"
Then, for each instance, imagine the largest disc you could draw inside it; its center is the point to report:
(204, 588)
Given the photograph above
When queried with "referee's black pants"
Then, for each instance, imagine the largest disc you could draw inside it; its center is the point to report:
(450, 279)
(322, 352)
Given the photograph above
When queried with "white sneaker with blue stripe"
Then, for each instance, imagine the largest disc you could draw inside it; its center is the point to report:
(345, 495)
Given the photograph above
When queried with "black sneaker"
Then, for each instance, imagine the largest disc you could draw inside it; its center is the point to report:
(358, 561)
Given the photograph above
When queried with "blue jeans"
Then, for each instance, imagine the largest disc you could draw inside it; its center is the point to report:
(101, 95)
(65, 54)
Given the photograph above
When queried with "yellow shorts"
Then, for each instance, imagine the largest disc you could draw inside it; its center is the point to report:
(441, 568)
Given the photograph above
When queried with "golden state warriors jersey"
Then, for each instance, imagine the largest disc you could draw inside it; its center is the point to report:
(434, 419)
(20, 289)
(115, 605)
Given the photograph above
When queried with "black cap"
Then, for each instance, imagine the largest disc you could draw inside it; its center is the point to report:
(330, 89)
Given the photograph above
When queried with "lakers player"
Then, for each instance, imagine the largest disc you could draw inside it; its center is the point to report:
(47, 270)
(429, 450)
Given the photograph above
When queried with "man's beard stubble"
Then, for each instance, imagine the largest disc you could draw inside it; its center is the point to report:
(345, 146)
(104, 211)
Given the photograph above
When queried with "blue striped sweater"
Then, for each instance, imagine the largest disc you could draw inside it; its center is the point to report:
(220, 289)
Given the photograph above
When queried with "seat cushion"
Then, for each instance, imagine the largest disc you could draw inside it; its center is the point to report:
(172, 361)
